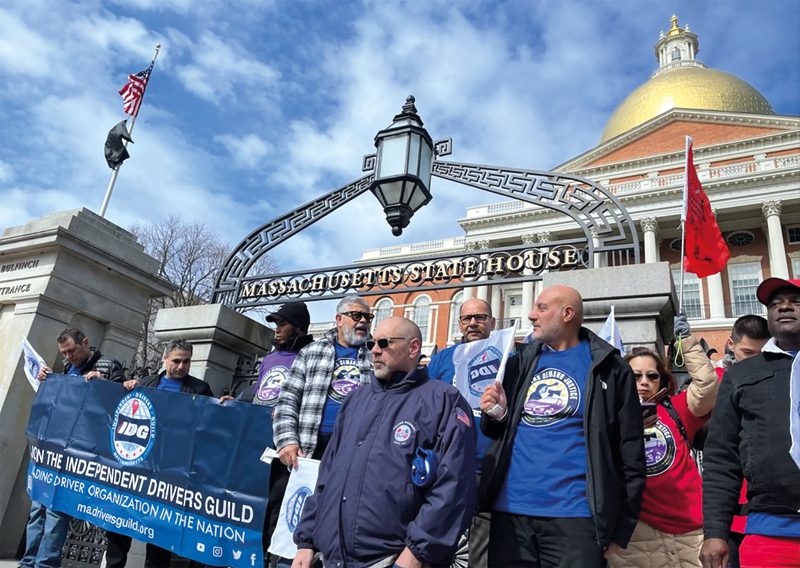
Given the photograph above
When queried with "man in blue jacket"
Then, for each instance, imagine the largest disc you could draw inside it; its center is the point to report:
(396, 485)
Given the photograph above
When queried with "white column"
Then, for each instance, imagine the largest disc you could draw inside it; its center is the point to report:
(496, 293)
(527, 286)
(716, 300)
(483, 291)
(542, 237)
(469, 291)
(777, 249)
(598, 258)
(649, 227)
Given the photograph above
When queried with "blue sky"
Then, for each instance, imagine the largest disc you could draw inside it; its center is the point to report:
(255, 107)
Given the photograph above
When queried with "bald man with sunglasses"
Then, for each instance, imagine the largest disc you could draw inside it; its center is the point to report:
(396, 486)
(322, 375)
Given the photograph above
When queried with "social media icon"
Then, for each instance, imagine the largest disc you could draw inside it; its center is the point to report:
(253, 559)
(237, 554)
(201, 547)
(216, 552)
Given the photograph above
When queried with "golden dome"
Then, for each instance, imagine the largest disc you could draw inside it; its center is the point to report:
(689, 88)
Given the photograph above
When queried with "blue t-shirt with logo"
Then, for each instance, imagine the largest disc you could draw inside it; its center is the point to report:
(171, 385)
(346, 378)
(547, 473)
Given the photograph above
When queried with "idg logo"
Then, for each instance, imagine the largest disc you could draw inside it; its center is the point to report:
(294, 507)
(483, 369)
(133, 429)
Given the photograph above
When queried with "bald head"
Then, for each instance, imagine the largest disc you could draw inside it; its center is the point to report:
(557, 315)
(475, 319)
(403, 350)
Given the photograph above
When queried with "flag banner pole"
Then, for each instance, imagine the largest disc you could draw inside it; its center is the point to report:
(137, 106)
(683, 218)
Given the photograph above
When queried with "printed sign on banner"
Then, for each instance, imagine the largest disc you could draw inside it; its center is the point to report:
(33, 363)
(479, 363)
(154, 465)
(302, 482)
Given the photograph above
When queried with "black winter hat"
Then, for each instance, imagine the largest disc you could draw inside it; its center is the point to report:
(296, 313)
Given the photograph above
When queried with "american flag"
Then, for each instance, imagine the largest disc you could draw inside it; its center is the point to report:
(133, 91)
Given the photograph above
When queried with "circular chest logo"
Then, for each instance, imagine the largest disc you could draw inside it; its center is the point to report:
(659, 449)
(133, 430)
(294, 507)
(270, 387)
(403, 432)
(483, 369)
(552, 397)
(346, 379)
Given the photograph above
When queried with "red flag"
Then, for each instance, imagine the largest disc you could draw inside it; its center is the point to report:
(705, 251)
(133, 91)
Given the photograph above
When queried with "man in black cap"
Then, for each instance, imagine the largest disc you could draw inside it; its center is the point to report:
(291, 335)
(750, 437)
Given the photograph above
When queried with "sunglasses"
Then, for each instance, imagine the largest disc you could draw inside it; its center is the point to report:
(480, 318)
(651, 376)
(358, 316)
(383, 342)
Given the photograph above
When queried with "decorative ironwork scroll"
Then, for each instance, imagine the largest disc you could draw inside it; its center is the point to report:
(596, 210)
(268, 236)
(85, 545)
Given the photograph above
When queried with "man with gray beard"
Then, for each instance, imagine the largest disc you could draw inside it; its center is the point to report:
(323, 373)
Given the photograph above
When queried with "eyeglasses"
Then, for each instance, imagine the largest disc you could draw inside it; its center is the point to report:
(651, 376)
(358, 316)
(383, 342)
(480, 318)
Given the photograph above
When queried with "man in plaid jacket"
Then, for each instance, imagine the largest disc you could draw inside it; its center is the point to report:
(323, 373)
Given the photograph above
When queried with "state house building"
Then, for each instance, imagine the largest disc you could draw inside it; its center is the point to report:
(748, 160)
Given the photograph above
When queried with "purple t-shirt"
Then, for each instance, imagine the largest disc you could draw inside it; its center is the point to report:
(271, 373)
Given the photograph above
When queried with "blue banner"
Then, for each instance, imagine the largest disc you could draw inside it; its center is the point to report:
(177, 470)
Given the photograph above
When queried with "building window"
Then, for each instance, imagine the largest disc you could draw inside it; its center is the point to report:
(422, 315)
(676, 55)
(692, 294)
(675, 245)
(744, 279)
(455, 311)
(383, 310)
(793, 234)
(740, 238)
(796, 267)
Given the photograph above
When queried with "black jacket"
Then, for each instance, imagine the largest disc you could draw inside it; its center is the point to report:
(191, 385)
(109, 368)
(614, 437)
(749, 435)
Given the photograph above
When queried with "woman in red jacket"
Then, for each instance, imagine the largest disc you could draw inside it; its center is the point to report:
(669, 531)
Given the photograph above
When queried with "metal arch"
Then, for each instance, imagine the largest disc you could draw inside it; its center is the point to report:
(596, 210)
(227, 287)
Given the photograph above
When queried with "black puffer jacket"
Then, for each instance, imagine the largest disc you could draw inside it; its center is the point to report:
(109, 368)
(615, 468)
(749, 436)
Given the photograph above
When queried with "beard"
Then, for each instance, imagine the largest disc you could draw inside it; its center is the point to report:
(353, 338)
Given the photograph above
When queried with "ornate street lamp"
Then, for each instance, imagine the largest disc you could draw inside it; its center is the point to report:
(403, 167)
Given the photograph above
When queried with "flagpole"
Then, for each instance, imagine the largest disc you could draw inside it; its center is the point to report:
(683, 218)
(613, 323)
(115, 173)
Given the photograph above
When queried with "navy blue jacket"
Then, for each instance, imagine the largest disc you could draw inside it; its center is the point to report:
(365, 506)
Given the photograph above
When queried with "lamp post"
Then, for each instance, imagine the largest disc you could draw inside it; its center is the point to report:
(403, 167)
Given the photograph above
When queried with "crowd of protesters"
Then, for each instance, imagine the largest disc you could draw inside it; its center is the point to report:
(579, 457)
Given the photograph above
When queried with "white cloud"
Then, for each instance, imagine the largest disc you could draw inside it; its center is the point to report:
(6, 172)
(248, 151)
(221, 67)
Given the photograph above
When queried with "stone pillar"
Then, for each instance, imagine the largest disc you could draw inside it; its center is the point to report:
(716, 300)
(650, 228)
(219, 336)
(644, 307)
(527, 286)
(72, 268)
(598, 258)
(777, 249)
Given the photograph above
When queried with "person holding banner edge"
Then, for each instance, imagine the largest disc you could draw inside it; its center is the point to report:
(476, 323)
(396, 484)
(47, 529)
(565, 475)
